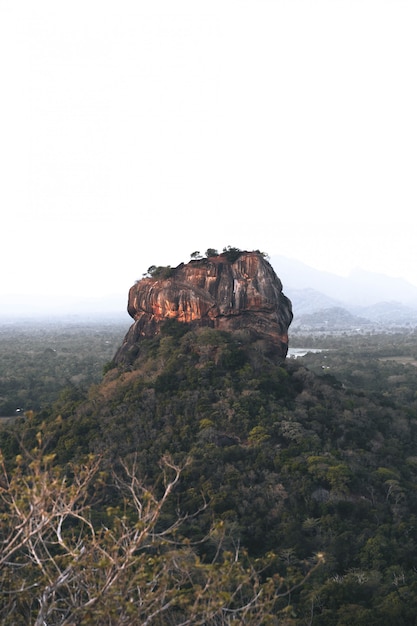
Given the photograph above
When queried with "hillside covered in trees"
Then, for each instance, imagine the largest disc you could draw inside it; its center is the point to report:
(206, 484)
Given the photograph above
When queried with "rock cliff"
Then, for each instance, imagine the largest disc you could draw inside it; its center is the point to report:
(231, 294)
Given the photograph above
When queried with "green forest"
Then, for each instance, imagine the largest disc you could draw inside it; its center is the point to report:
(205, 483)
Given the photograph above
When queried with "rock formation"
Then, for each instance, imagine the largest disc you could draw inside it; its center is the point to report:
(221, 292)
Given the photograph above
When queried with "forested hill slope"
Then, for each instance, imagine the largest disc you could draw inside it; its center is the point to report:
(311, 481)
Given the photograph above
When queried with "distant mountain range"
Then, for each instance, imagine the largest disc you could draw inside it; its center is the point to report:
(361, 300)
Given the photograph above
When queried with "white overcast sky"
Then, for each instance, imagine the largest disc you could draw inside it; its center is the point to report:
(133, 133)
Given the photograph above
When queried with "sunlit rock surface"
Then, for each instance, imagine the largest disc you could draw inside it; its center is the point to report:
(240, 295)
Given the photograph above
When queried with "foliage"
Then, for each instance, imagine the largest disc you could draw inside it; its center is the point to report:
(59, 564)
(161, 272)
(38, 361)
(211, 252)
(231, 253)
(281, 460)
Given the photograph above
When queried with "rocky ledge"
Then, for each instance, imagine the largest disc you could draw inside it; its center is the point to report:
(221, 292)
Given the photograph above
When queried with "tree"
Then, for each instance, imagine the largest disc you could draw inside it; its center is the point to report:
(211, 252)
(161, 271)
(65, 559)
(231, 253)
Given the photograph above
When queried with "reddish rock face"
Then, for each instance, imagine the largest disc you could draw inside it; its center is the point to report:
(242, 295)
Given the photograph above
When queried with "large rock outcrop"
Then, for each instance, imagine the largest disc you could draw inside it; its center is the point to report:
(220, 292)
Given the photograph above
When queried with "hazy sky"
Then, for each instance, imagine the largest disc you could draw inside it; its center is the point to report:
(135, 132)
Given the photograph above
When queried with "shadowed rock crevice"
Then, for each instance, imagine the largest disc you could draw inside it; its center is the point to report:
(243, 295)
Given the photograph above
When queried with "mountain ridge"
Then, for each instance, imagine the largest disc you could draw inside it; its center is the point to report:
(377, 299)
(360, 285)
